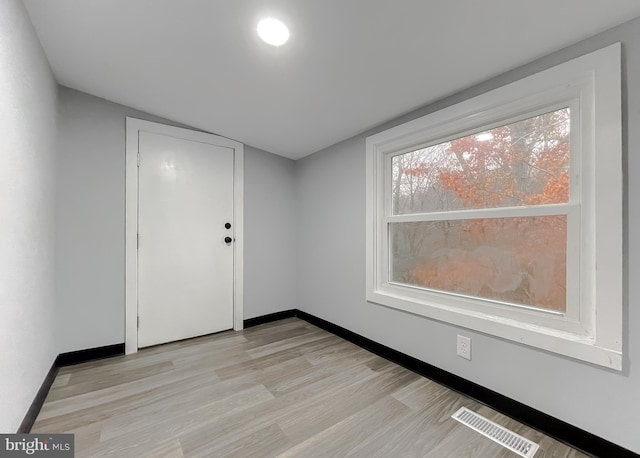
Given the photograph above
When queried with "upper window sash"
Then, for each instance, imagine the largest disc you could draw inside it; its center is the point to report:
(525, 113)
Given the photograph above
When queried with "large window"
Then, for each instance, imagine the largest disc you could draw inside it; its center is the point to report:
(493, 214)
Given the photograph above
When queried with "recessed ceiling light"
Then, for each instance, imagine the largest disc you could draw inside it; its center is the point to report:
(273, 31)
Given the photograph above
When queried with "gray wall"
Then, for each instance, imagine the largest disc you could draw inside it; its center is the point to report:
(90, 224)
(27, 192)
(270, 233)
(330, 188)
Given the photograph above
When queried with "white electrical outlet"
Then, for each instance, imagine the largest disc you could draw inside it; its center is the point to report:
(464, 347)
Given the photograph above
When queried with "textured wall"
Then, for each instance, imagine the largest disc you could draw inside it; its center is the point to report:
(269, 234)
(27, 193)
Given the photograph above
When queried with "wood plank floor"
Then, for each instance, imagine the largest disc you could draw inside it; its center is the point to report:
(284, 389)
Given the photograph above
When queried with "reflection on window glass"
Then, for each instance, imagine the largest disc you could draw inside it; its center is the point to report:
(524, 163)
(519, 260)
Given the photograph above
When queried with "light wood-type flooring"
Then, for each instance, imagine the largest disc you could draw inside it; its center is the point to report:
(285, 389)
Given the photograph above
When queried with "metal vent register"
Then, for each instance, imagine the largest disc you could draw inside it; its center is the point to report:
(495, 432)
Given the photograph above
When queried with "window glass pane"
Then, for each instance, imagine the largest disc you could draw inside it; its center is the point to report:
(524, 163)
(517, 260)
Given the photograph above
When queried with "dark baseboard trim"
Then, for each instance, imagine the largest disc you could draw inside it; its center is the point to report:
(38, 401)
(564, 432)
(269, 318)
(90, 354)
(62, 360)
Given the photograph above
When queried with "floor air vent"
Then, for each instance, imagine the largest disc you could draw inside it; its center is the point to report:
(512, 441)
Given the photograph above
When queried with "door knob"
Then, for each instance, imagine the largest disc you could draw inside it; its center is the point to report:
(228, 240)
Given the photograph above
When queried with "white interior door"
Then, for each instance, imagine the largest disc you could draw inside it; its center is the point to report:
(185, 266)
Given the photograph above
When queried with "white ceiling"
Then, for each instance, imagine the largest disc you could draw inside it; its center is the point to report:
(349, 65)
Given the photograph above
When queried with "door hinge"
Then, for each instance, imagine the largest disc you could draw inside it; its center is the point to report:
(138, 322)
(138, 241)
(138, 158)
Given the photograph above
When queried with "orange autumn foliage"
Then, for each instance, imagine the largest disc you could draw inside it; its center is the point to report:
(520, 260)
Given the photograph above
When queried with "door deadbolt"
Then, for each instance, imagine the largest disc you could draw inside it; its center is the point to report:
(227, 226)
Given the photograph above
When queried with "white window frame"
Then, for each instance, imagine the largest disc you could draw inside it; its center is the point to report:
(591, 328)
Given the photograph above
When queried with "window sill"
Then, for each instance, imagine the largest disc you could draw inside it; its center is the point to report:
(579, 346)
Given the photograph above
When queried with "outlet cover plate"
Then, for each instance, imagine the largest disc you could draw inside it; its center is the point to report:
(464, 347)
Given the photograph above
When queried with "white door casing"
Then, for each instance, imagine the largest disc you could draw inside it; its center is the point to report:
(185, 248)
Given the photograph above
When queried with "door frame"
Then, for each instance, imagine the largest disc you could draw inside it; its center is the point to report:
(133, 127)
